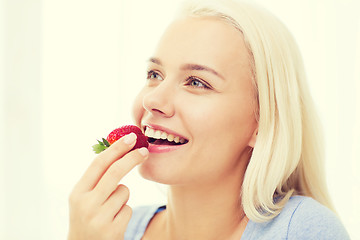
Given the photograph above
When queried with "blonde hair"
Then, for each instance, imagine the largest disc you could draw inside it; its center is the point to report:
(288, 156)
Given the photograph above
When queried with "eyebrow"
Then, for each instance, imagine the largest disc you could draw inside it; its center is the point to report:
(156, 61)
(191, 66)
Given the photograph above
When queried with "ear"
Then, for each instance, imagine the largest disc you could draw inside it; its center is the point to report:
(253, 138)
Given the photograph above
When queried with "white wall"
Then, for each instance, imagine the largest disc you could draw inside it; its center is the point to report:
(70, 70)
(22, 189)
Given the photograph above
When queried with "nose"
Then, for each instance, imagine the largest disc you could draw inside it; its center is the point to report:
(159, 100)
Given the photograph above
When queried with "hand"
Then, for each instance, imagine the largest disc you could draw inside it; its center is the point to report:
(97, 203)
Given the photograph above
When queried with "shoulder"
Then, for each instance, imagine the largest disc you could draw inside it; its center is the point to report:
(310, 219)
(301, 218)
(140, 218)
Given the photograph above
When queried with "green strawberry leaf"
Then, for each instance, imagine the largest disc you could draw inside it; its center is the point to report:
(106, 142)
(101, 146)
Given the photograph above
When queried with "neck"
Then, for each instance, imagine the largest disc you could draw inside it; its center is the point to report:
(209, 211)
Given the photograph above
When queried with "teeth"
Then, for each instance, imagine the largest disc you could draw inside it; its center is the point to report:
(149, 132)
(170, 137)
(163, 135)
(157, 134)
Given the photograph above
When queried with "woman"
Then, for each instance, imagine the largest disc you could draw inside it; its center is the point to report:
(227, 82)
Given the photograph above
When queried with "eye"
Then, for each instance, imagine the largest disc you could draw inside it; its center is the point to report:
(153, 75)
(197, 83)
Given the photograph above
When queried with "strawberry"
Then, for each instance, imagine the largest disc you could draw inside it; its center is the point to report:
(117, 134)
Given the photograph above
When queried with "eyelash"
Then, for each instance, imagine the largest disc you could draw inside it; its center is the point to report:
(149, 73)
(189, 79)
(193, 78)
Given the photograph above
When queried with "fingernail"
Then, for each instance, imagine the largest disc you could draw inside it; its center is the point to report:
(130, 138)
(144, 151)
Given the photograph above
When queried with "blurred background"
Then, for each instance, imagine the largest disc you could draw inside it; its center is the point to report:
(70, 70)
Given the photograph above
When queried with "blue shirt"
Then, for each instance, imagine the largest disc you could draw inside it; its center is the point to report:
(301, 218)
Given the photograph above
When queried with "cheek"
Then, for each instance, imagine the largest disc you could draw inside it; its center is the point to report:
(225, 122)
(137, 109)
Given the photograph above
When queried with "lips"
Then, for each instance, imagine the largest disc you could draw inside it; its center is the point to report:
(163, 140)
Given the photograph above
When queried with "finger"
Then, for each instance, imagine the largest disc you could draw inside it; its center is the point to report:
(109, 181)
(102, 162)
(114, 203)
(123, 217)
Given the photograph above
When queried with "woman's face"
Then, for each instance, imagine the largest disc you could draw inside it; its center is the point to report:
(198, 88)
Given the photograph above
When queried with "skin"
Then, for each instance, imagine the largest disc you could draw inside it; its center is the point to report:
(204, 175)
(97, 203)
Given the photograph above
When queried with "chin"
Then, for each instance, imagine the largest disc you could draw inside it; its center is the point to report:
(153, 172)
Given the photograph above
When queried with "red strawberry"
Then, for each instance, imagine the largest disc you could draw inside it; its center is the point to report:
(117, 134)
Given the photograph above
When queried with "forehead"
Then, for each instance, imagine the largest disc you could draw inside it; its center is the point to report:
(205, 40)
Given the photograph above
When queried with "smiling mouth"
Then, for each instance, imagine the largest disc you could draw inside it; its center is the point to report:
(158, 137)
